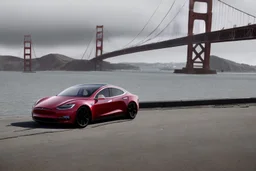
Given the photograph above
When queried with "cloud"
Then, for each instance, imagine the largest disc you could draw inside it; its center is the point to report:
(56, 23)
(66, 26)
(62, 22)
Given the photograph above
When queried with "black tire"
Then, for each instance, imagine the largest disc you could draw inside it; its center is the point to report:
(132, 110)
(83, 117)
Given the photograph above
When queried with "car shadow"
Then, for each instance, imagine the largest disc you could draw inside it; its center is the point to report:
(35, 125)
(27, 125)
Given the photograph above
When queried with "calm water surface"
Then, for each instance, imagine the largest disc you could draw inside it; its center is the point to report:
(18, 91)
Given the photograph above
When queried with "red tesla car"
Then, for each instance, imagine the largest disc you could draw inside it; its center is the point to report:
(81, 104)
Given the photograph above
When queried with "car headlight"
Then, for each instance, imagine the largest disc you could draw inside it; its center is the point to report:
(65, 106)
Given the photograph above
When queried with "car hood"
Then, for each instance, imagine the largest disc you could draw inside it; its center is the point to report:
(56, 101)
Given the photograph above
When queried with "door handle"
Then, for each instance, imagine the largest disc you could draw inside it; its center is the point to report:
(110, 101)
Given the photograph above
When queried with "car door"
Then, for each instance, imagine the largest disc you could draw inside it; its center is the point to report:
(101, 106)
(118, 100)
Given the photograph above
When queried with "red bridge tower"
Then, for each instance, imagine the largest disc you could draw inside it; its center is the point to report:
(198, 62)
(99, 46)
(99, 40)
(27, 53)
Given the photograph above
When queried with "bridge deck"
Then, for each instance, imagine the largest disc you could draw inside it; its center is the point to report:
(209, 139)
(227, 35)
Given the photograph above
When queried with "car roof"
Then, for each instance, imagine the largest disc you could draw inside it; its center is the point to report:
(98, 86)
(90, 85)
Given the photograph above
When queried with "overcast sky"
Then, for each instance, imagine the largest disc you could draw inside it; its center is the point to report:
(67, 26)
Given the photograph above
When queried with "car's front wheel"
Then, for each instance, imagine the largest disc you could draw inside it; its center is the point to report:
(83, 117)
(132, 110)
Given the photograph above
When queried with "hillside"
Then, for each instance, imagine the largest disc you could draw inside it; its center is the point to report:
(52, 62)
(57, 62)
(220, 65)
(47, 62)
(11, 63)
(225, 65)
(157, 66)
(84, 65)
(62, 62)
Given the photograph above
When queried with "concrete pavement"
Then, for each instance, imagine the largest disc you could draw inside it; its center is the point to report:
(209, 138)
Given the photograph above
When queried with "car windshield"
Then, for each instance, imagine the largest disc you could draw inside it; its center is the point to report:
(78, 91)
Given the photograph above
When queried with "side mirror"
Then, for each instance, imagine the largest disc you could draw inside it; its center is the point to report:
(100, 97)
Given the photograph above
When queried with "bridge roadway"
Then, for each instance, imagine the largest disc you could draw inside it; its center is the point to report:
(186, 139)
(225, 35)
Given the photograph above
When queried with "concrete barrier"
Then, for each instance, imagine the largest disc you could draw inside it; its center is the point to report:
(169, 104)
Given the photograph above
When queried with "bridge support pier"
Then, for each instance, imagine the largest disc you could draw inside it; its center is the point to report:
(198, 55)
(198, 62)
(97, 65)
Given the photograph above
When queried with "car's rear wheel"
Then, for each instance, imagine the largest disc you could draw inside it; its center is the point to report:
(83, 117)
(132, 110)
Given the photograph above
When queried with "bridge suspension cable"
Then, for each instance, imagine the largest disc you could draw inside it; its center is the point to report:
(167, 24)
(88, 45)
(34, 49)
(145, 24)
(89, 56)
(216, 17)
(228, 13)
(254, 16)
(171, 7)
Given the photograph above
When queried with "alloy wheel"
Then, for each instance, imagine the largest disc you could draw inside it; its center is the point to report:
(132, 110)
(83, 117)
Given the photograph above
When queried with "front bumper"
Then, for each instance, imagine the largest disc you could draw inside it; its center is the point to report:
(48, 116)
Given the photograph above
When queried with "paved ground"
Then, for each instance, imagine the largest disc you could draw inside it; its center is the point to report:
(201, 139)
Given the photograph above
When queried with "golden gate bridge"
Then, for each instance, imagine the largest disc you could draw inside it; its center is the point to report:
(222, 22)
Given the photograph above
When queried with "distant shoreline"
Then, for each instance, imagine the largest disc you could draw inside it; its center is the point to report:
(58, 62)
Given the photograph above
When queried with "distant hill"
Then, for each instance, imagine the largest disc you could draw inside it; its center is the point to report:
(52, 62)
(157, 66)
(62, 62)
(218, 64)
(47, 62)
(84, 65)
(57, 62)
(10, 63)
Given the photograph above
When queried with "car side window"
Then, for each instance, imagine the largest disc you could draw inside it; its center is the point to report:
(85, 93)
(116, 92)
(105, 92)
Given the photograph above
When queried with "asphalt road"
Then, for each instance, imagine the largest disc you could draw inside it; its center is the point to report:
(195, 139)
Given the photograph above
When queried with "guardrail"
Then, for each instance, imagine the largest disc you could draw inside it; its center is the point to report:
(169, 104)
